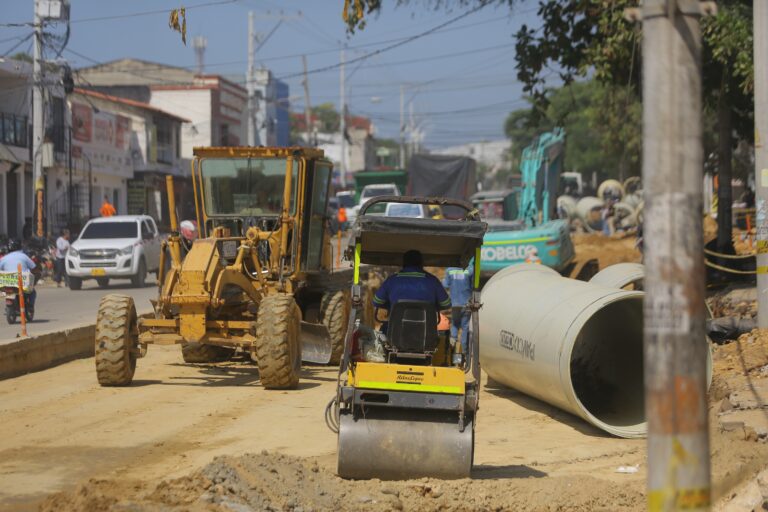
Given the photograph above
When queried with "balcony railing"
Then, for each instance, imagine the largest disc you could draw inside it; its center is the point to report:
(13, 130)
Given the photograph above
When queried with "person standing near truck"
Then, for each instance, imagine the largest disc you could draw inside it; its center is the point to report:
(458, 281)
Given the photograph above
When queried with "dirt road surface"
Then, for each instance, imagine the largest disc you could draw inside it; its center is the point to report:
(59, 429)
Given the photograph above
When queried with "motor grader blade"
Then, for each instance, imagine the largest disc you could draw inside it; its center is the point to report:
(315, 343)
(398, 444)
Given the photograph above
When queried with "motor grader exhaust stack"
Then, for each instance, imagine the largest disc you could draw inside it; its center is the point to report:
(258, 279)
(407, 399)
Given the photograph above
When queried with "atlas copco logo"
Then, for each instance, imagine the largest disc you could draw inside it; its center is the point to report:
(507, 252)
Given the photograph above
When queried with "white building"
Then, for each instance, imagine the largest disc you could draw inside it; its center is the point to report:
(16, 181)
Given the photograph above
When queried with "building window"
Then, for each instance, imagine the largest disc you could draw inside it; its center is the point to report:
(165, 145)
(224, 135)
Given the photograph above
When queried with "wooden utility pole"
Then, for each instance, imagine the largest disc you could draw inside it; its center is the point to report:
(675, 351)
(307, 105)
(760, 20)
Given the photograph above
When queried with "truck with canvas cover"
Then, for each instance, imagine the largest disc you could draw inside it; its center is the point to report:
(258, 279)
(523, 224)
(407, 398)
(444, 176)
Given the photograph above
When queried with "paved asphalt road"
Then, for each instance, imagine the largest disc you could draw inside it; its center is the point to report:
(59, 308)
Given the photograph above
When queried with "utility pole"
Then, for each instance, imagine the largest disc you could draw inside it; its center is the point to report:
(307, 105)
(38, 129)
(250, 83)
(411, 129)
(674, 334)
(760, 34)
(343, 121)
(402, 127)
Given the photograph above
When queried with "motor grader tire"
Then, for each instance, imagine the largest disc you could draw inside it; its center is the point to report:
(204, 353)
(116, 340)
(277, 346)
(334, 312)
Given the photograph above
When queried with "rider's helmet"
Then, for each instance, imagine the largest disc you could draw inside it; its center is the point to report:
(14, 245)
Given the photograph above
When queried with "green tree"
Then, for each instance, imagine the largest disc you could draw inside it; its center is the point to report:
(591, 37)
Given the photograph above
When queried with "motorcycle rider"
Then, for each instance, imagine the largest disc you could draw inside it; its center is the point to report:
(10, 263)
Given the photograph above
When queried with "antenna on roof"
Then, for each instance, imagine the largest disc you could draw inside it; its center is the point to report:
(199, 43)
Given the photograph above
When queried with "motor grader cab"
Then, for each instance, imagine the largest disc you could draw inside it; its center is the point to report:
(258, 279)
(406, 399)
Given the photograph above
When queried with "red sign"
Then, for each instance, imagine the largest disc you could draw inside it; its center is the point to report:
(82, 122)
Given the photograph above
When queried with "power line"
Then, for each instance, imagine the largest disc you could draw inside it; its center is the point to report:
(148, 13)
(390, 47)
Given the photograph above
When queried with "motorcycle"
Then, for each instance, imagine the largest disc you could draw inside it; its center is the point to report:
(10, 289)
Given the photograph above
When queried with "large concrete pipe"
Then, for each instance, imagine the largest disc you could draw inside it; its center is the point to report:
(625, 215)
(567, 205)
(612, 188)
(588, 209)
(575, 345)
(621, 275)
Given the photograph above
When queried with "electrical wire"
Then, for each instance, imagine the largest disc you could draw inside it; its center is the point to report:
(26, 38)
(148, 13)
(390, 47)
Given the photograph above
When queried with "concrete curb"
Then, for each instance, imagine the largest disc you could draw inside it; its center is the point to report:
(45, 351)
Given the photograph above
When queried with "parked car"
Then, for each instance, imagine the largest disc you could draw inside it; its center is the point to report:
(415, 211)
(118, 247)
(371, 191)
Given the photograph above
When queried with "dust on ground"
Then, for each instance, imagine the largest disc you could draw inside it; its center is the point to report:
(268, 481)
(608, 250)
(272, 481)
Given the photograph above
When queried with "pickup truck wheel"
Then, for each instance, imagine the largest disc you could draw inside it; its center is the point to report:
(75, 283)
(138, 279)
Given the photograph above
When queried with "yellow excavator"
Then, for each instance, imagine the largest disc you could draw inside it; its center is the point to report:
(259, 278)
(407, 399)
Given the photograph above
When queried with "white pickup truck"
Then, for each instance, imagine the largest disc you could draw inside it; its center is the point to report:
(119, 247)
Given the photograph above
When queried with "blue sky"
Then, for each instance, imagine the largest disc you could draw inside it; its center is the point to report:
(461, 78)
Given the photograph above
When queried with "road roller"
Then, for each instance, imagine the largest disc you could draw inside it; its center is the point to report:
(407, 399)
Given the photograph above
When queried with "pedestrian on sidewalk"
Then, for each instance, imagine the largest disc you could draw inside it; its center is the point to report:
(458, 281)
(59, 265)
(107, 210)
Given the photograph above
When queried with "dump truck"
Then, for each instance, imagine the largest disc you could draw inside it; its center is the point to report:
(258, 279)
(407, 399)
(523, 222)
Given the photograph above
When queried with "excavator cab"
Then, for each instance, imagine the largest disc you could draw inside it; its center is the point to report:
(406, 399)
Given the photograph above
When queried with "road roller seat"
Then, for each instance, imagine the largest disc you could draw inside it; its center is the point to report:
(413, 327)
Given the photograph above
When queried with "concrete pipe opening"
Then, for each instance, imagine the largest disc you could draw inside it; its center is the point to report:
(606, 367)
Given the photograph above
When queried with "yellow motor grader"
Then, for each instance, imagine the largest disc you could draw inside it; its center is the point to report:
(259, 278)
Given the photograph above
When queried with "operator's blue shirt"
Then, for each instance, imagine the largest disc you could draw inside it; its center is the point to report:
(412, 283)
(10, 262)
(459, 282)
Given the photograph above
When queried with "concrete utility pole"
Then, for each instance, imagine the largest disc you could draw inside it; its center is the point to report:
(38, 128)
(343, 121)
(760, 19)
(675, 352)
(402, 127)
(250, 83)
(307, 105)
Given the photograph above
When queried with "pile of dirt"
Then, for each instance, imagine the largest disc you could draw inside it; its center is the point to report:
(269, 481)
(736, 302)
(608, 250)
(745, 357)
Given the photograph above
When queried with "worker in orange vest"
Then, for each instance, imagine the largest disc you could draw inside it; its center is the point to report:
(342, 218)
(107, 210)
